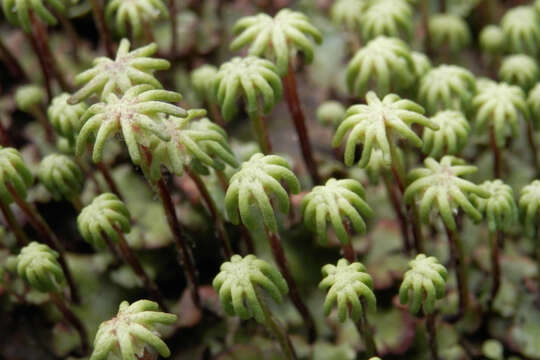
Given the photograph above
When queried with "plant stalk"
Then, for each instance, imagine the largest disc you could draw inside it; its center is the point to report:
(432, 336)
(48, 236)
(261, 131)
(458, 259)
(42, 64)
(104, 170)
(174, 36)
(281, 260)
(348, 249)
(293, 102)
(38, 113)
(13, 65)
(497, 158)
(495, 265)
(214, 213)
(532, 147)
(134, 263)
(394, 199)
(274, 327)
(425, 9)
(185, 256)
(40, 33)
(73, 320)
(398, 170)
(365, 331)
(104, 35)
(20, 235)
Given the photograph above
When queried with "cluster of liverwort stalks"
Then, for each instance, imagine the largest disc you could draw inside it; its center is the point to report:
(408, 125)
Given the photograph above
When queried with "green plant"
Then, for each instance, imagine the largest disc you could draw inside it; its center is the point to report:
(439, 186)
(129, 68)
(422, 285)
(135, 114)
(450, 138)
(422, 64)
(501, 213)
(350, 288)
(137, 15)
(529, 210)
(533, 102)
(277, 38)
(491, 40)
(384, 64)
(521, 30)
(18, 12)
(377, 123)
(65, 118)
(38, 265)
(377, 126)
(447, 87)
(348, 14)
(194, 146)
(104, 221)
(280, 39)
(199, 144)
(342, 203)
(251, 79)
(62, 177)
(330, 113)
(393, 18)
(30, 99)
(240, 284)
(449, 31)
(251, 187)
(132, 332)
(521, 70)
(498, 110)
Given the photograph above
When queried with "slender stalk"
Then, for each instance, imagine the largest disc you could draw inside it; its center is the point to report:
(293, 102)
(174, 35)
(20, 235)
(4, 132)
(442, 5)
(495, 265)
(104, 35)
(40, 32)
(71, 34)
(77, 203)
(261, 132)
(537, 250)
(366, 332)
(214, 213)
(42, 64)
(281, 260)
(248, 240)
(425, 9)
(13, 65)
(532, 147)
(394, 199)
(39, 114)
(89, 173)
(184, 252)
(48, 236)
(398, 171)
(432, 336)
(348, 249)
(104, 170)
(185, 256)
(73, 320)
(275, 328)
(497, 158)
(134, 263)
(458, 259)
